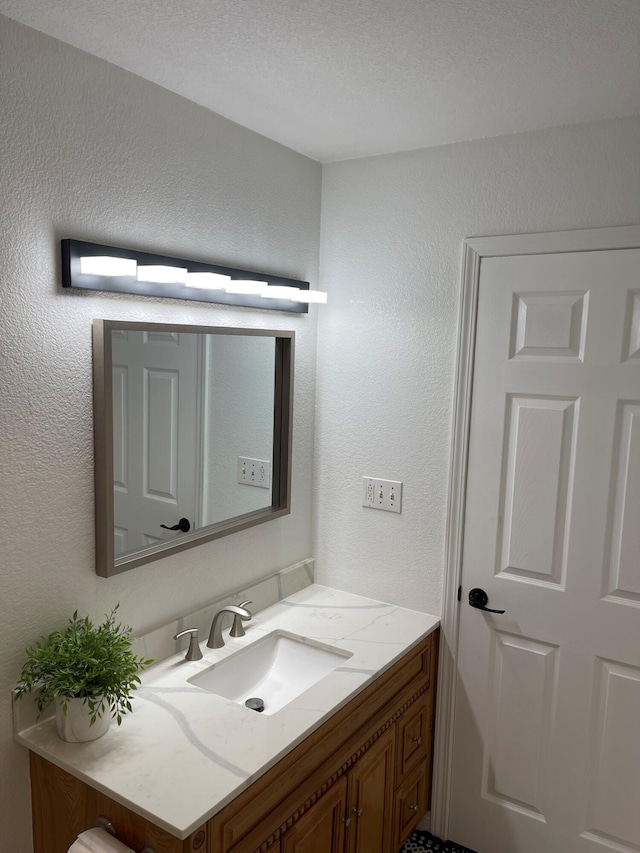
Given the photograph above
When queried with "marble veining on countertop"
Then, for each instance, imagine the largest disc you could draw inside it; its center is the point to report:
(184, 752)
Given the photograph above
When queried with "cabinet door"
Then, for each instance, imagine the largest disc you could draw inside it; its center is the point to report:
(321, 829)
(371, 799)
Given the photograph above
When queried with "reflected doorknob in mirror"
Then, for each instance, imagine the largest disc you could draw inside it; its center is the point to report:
(184, 526)
(478, 598)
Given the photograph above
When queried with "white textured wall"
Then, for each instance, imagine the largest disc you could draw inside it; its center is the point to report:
(92, 152)
(391, 251)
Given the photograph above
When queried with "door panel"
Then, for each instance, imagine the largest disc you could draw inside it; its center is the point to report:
(120, 432)
(624, 533)
(612, 810)
(160, 436)
(547, 726)
(517, 744)
(631, 346)
(537, 487)
(549, 326)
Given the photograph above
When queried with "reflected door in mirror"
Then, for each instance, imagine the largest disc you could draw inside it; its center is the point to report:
(156, 391)
(186, 408)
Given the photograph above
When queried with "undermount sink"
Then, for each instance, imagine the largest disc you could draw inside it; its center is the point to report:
(275, 669)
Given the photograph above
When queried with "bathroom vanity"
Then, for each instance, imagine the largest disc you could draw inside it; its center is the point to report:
(344, 766)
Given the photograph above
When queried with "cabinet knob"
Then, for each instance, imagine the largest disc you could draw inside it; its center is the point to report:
(413, 808)
(358, 812)
(346, 821)
(417, 740)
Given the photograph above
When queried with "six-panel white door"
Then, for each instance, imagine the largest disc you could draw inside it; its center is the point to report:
(547, 724)
(155, 435)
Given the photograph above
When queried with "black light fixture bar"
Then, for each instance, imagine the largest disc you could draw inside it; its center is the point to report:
(73, 277)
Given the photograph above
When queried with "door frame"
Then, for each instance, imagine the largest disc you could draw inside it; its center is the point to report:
(474, 249)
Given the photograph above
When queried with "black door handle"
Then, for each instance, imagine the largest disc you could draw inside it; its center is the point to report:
(478, 598)
(184, 526)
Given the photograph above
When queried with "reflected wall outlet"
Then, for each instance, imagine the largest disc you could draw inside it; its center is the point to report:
(254, 472)
(382, 494)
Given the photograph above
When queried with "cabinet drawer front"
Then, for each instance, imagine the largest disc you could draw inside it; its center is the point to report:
(417, 668)
(413, 737)
(411, 803)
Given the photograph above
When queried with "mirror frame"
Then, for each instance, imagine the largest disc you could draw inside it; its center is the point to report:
(107, 564)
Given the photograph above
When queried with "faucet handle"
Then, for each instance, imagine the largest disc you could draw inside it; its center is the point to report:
(237, 629)
(193, 652)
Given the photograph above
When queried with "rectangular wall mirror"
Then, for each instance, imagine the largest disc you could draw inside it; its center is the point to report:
(192, 436)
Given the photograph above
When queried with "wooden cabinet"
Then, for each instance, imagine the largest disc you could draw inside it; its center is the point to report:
(358, 784)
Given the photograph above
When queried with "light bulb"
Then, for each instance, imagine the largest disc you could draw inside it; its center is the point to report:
(107, 265)
(317, 296)
(207, 280)
(246, 286)
(161, 274)
(276, 291)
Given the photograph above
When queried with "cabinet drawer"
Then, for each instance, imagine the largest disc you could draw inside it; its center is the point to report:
(413, 737)
(411, 803)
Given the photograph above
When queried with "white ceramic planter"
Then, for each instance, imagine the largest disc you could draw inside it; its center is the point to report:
(75, 726)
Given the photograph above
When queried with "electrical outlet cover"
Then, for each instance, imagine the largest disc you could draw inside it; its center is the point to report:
(254, 472)
(382, 494)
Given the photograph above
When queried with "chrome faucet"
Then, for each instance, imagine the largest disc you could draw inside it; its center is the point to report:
(240, 614)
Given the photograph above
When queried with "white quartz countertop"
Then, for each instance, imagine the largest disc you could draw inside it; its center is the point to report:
(184, 753)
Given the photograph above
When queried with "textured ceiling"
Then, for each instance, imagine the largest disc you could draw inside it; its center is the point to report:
(337, 79)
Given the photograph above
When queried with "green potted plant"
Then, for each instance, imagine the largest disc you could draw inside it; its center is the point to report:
(88, 670)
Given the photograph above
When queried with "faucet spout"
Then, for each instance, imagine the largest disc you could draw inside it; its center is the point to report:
(240, 614)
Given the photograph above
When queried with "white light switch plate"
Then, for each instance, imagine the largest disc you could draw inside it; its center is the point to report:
(254, 472)
(382, 494)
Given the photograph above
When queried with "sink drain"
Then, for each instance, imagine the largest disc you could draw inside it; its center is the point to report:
(255, 704)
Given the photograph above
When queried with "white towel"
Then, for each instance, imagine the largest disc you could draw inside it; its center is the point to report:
(98, 841)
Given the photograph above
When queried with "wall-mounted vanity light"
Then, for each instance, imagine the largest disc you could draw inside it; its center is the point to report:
(90, 266)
